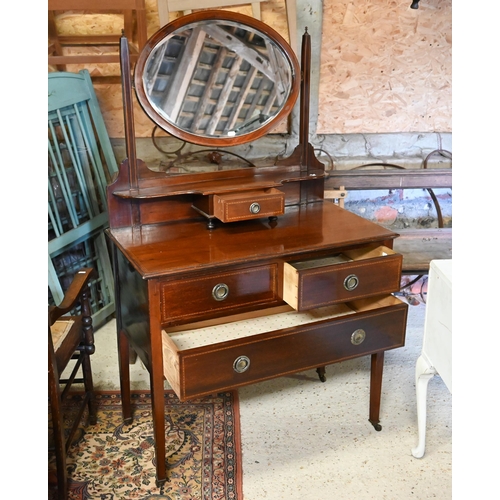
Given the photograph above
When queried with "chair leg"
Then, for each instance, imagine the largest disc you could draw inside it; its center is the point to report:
(88, 350)
(89, 388)
(58, 429)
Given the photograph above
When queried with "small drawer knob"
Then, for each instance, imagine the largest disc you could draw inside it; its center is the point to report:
(351, 282)
(255, 208)
(241, 364)
(358, 337)
(220, 291)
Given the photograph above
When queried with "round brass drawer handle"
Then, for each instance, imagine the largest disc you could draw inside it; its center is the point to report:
(351, 282)
(255, 208)
(358, 337)
(241, 364)
(220, 291)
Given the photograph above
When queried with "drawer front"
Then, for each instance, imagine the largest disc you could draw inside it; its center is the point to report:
(331, 284)
(249, 205)
(231, 364)
(217, 293)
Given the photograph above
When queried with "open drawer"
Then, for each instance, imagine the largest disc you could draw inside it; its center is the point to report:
(350, 275)
(203, 359)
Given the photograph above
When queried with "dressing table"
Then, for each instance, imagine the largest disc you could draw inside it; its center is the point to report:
(228, 277)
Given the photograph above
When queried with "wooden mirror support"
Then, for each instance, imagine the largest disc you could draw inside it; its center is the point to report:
(142, 196)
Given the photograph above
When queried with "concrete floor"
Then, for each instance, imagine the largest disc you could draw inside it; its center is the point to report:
(307, 440)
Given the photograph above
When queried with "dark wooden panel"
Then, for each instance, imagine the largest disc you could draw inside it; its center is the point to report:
(133, 307)
(175, 208)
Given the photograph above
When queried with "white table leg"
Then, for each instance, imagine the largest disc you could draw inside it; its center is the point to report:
(423, 373)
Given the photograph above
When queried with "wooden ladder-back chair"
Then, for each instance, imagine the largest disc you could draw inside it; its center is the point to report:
(132, 19)
(70, 337)
(81, 163)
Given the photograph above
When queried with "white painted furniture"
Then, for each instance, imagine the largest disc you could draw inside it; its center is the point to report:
(186, 6)
(436, 351)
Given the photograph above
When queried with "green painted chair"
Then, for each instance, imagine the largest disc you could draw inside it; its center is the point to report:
(81, 164)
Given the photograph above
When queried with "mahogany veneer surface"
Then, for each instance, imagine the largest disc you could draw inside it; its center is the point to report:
(166, 249)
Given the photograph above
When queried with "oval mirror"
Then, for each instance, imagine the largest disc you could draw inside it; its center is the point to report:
(217, 78)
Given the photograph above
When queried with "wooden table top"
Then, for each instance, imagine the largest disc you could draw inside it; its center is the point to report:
(166, 249)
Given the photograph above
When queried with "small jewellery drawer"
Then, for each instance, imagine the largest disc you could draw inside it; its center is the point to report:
(203, 360)
(218, 293)
(249, 205)
(350, 275)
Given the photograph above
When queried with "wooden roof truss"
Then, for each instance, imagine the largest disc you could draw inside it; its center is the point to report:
(217, 80)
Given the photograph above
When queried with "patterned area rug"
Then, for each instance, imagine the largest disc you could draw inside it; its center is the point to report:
(114, 461)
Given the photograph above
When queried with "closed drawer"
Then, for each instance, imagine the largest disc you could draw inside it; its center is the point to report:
(350, 275)
(249, 205)
(204, 360)
(218, 293)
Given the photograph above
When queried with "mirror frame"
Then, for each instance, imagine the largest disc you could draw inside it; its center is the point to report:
(215, 15)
